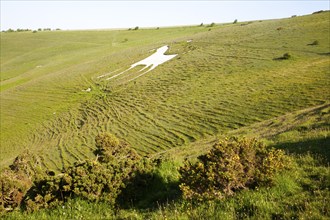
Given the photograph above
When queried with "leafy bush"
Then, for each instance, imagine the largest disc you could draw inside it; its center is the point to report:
(230, 166)
(286, 56)
(89, 180)
(151, 187)
(100, 180)
(16, 181)
(109, 148)
(28, 164)
(212, 24)
(13, 188)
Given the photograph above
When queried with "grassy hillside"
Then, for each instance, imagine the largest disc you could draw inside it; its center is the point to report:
(226, 78)
(298, 193)
(301, 132)
(43, 74)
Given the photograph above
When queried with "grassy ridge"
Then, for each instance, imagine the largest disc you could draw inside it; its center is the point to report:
(224, 79)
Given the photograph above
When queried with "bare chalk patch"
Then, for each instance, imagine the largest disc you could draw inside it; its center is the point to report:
(107, 74)
(150, 63)
(87, 90)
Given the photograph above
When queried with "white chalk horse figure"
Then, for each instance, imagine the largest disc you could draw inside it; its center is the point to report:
(150, 62)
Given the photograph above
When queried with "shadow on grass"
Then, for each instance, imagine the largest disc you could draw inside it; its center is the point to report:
(148, 191)
(319, 146)
(324, 54)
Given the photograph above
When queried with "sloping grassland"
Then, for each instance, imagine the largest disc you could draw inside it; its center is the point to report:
(226, 78)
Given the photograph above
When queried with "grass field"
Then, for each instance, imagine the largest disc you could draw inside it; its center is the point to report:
(225, 79)
(299, 193)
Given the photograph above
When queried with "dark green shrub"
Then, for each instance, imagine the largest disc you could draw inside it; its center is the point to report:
(16, 181)
(230, 166)
(235, 21)
(314, 43)
(13, 187)
(90, 180)
(100, 180)
(285, 56)
(153, 186)
(106, 142)
(28, 164)
(136, 28)
(109, 148)
(212, 24)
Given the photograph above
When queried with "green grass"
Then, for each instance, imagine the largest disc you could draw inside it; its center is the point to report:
(224, 79)
(225, 82)
(43, 75)
(300, 192)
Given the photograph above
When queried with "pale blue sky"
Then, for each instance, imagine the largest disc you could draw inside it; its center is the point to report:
(125, 14)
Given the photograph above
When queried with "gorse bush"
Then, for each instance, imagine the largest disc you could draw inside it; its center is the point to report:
(16, 180)
(102, 179)
(119, 176)
(153, 186)
(28, 164)
(231, 165)
(13, 188)
(89, 180)
(109, 148)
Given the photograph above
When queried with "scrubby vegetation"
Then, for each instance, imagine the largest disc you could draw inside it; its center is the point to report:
(237, 178)
(285, 56)
(175, 162)
(298, 192)
(119, 174)
(221, 80)
(95, 180)
(230, 166)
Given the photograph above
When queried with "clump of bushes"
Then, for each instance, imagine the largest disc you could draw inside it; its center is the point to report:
(119, 176)
(231, 165)
(25, 185)
(13, 188)
(16, 180)
(101, 179)
(110, 149)
(89, 180)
